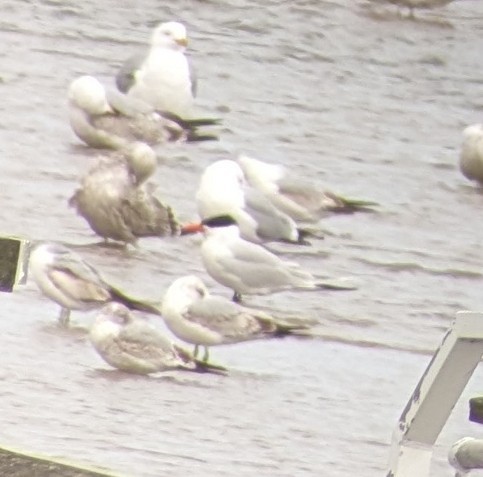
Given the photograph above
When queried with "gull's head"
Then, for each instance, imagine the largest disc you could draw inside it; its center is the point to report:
(224, 174)
(115, 313)
(221, 189)
(473, 131)
(181, 294)
(259, 172)
(46, 253)
(88, 94)
(108, 324)
(142, 160)
(170, 35)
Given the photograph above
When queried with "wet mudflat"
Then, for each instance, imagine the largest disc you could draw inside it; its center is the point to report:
(362, 101)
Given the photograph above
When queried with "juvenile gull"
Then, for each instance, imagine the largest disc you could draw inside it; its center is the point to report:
(133, 345)
(223, 190)
(196, 317)
(296, 197)
(471, 156)
(249, 268)
(109, 119)
(162, 77)
(116, 201)
(64, 277)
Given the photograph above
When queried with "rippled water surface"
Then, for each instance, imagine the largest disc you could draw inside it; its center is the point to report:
(364, 102)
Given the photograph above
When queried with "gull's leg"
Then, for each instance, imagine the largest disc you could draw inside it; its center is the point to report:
(195, 351)
(237, 298)
(64, 316)
(206, 355)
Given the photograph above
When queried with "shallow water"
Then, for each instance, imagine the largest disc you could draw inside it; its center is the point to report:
(365, 102)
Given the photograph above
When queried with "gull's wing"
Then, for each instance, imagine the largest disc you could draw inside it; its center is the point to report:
(142, 340)
(229, 319)
(145, 215)
(126, 76)
(254, 269)
(272, 224)
(79, 280)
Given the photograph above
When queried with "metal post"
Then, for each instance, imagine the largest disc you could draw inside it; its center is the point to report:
(14, 253)
(435, 395)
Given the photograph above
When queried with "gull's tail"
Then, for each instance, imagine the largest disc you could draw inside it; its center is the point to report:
(343, 205)
(284, 329)
(338, 284)
(194, 136)
(190, 126)
(204, 367)
(197, 365)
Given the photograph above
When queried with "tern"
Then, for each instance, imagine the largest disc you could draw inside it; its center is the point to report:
(248, 268)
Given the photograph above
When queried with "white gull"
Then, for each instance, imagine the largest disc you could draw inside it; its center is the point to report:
(64, 277)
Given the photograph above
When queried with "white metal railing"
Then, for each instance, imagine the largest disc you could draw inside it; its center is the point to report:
(442, 382)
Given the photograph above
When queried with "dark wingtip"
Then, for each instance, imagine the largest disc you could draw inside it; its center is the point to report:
(204, 367)
(132, 303)
(193, 136)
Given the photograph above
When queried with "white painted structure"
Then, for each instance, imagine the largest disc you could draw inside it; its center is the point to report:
(435, 395)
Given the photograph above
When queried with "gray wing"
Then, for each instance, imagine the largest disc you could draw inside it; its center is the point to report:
(253, 254)
(256, 267)
(193, 77)
(229, 319)
(272, 224)
(77, 278)
(126, 76)
(140, 348)
(143, 340)
(303, 193)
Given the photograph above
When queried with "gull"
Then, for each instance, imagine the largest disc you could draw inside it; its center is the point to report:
(471, 156)
(109, 119)
(466, 454)
(64, 277)
(134, 345)
(249, 268)
(223, 190)
(195, 316)
(297, 198)
(161, 77)
(116, 201)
